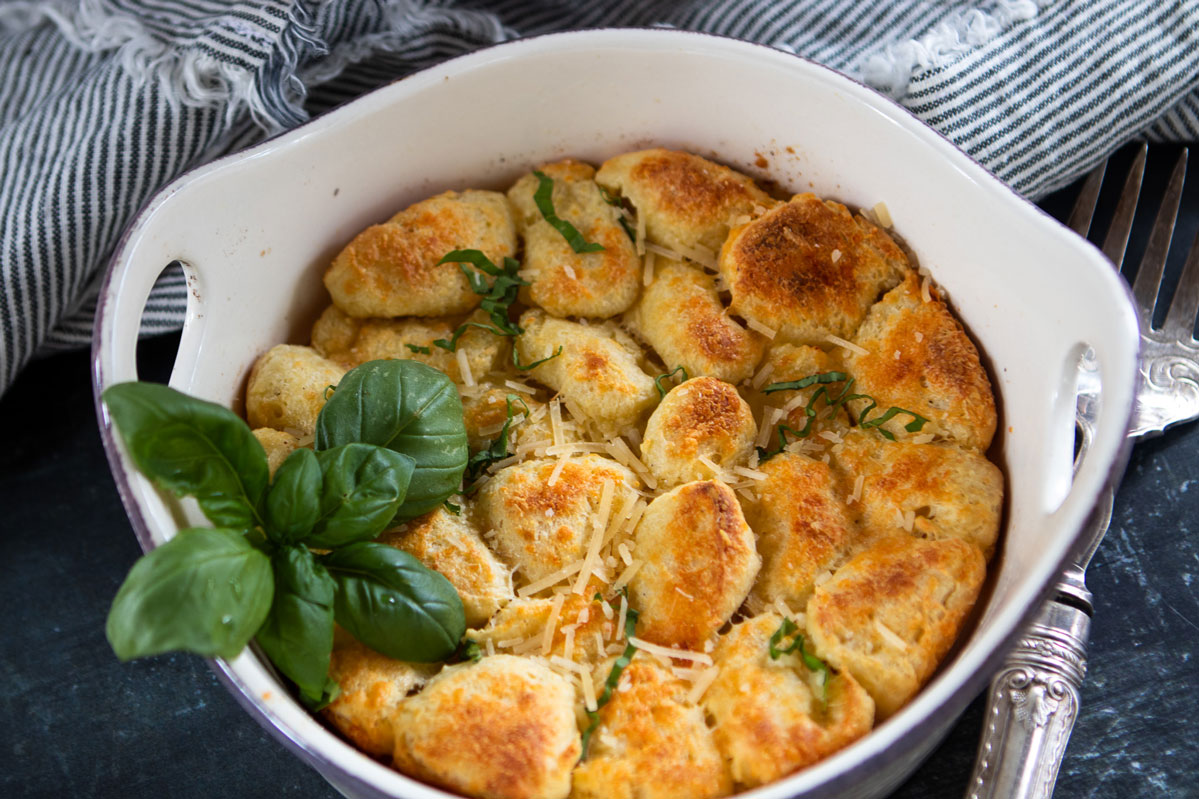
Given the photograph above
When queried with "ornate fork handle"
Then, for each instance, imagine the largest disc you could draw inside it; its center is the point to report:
(1032, 706)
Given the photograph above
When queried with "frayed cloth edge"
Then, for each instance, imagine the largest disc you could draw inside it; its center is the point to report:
(892, 69)
(272, 96)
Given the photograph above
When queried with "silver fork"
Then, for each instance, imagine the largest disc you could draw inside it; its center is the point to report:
(1034, 699)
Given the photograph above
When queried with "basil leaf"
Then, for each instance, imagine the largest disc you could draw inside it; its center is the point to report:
(298, 633)
(395, 605)
(293, 503)
(362, 488)
(193, 447)
(407, 407)
(206, 591)
(543, 197)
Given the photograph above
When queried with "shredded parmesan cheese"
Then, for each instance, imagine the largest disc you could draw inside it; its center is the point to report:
(762, 376)
(849, 345)
(569, 270)
(547, 640)
(836, 256)
(669, 652)
(556, 420)
(626, 576)
(588, 691)
(752, 474)
(557, 471)
(919, 337)
(702, 683)
(857, 488)
(647, 275)
(640, 234)
(464, 367)
(889, 635)
(597, 535)
(882, 214)
(926, 294)
(521, 387)
(754, 324)
(549, 580)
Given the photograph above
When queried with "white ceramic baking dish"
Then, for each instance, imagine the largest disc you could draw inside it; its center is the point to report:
(255, 232)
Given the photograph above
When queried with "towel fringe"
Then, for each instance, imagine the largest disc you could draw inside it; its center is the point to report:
(273, 95)
(892, 68)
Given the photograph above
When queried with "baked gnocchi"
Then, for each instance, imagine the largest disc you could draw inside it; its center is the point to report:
(729, 503)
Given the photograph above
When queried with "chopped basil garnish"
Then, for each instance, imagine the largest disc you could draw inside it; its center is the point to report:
(497, 451)
(451, 343)
(497, 295)
(471, 651)
(810, 380)
(658, 380)
(534, 364)
(421, 350)
(813, 663)
(544, 199)
(841, 399)
(618, 667)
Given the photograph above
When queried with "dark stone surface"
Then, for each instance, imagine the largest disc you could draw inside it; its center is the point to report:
(78, 723)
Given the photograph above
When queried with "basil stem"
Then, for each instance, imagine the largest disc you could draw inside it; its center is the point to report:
(658, 380)
(618, 667)
(534, 364)
(544, 199)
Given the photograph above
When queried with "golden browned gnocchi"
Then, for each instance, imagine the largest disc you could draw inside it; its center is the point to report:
(288, 387)
(681, 317)
(503, 728)
(446, 543)
(595, 366)
(394, 269)
(701, 428)
(773, 714)
(728, 502)
(699, 563)
(564, 282)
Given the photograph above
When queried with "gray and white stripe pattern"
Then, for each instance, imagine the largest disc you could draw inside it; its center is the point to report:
(102, 102)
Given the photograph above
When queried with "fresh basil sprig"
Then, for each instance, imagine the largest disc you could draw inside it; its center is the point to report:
(391, 429)
(544, 200)
(814, 664)
(298, 634)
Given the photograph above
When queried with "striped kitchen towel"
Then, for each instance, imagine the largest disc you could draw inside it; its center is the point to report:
(102, 102)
